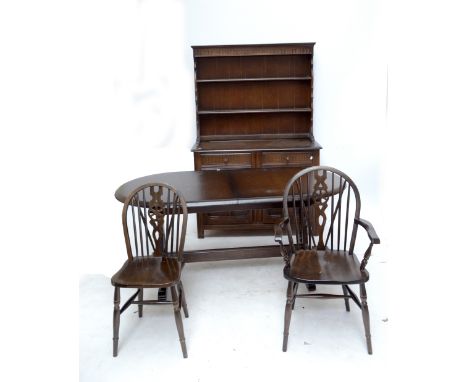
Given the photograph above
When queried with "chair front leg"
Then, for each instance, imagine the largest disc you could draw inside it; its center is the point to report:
(182, 299)
(365, 316)
(287, 314)
(116, 320)
(346, 300)
(295, 286)
(178, 319)
(140, 299)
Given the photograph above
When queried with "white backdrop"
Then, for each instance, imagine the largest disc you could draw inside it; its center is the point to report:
(138, 115)
(93, 93)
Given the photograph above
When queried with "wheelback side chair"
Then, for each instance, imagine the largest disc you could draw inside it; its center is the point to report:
(154, 220)
(321, 215)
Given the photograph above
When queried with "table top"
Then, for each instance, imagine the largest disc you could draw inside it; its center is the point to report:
(223, 190)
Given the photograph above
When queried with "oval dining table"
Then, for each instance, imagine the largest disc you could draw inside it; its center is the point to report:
(224, 190)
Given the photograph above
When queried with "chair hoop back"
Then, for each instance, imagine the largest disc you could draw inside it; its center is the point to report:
(322, 204)
(154, 220)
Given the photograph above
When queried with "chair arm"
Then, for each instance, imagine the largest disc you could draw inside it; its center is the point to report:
(369, 229)
(279, 229)
(374, 239)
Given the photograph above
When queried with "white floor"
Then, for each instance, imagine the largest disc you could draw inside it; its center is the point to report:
(234, 332)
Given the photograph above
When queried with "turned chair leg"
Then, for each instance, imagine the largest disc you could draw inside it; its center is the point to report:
(287, 314)
(116, 320)
(182, 299)
(140, 299)
(294, 294)
(178, 319)
(365, 317)
(346, 300)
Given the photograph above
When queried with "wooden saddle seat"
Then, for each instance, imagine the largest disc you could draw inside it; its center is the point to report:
(148, 272)
(325, 267)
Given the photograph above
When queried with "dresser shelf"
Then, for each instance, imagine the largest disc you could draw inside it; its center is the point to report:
(245, 111)
(255, 79)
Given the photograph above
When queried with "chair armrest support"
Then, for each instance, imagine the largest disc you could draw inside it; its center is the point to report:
(374, 239)
(367, 225)
(279, 229)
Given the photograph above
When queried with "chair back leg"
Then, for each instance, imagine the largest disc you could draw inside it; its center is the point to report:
(287, 314)
(116, 320)
(295, 286)
(182, 299)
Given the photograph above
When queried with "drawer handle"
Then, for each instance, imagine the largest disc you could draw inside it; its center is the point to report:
(311, 157)
(287, 158)
(225, 160)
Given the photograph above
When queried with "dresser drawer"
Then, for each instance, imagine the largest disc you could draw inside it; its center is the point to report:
(232, 217)
(272, 215)
(290, 158)
(223, 161)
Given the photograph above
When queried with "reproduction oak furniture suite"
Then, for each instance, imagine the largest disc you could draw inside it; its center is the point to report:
(256, 167)
(264, 188)
(254, 109)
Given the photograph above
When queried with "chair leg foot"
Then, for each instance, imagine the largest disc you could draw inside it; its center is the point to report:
(365, 317)
(178, 319)
(140, 307)
(116, 321)
(345, 292)
(287, 314)
(184, 348)
(285, 342)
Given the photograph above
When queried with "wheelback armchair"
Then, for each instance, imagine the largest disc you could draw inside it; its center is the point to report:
(321, 215)
(154, 220)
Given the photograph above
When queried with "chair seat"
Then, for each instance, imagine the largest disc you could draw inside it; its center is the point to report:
(148, 272)
(325, 267)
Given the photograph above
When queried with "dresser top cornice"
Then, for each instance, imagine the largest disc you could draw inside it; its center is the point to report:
(252, 49)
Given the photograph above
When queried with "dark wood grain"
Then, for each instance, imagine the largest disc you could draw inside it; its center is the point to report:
(259, 144)
(325, 267)
(321, 225)
(221, 190)
(255, 252)
(154, 220)
(253, 98)
(254, 95)
(253, 50)
(214, 191)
